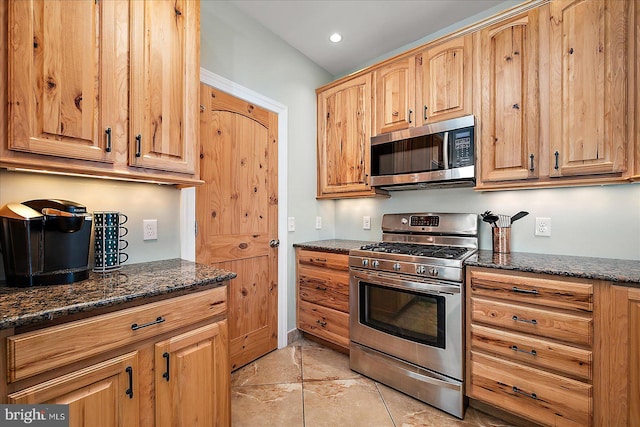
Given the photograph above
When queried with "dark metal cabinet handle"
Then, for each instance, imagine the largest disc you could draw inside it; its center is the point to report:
(138, 145)
(108, 132)
(532, 168)
(425, 113)
(517, 319)
(410, 112)
(319, 260)
(129, 392)
(519, 391)
(556, 167)
(166, 372)
(525, 291)
(532, 352)
(135, 326)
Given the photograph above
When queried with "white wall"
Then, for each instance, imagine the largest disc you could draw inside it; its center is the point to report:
(600, 221)
(137, 200)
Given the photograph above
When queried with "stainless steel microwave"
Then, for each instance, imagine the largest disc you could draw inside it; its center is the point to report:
(435, 155)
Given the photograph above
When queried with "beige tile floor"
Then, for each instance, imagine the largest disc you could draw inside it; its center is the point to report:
(305, 384)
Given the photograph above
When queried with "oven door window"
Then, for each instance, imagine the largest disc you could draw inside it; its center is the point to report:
(410, 315)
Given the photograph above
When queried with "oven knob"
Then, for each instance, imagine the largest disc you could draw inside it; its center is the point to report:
(421, 269)
(396, 266)
(375, 263)
(365, 262)
(433, 272)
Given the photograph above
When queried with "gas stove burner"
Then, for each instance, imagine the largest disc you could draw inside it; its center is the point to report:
(433, 251)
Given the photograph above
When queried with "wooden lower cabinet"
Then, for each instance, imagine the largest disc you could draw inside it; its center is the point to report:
(192, 378)
(101, 395)
(323, 295)
(530, 345)
(619, 376)
(175, 373)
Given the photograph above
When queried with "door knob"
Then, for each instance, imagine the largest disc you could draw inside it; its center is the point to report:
(274, 243)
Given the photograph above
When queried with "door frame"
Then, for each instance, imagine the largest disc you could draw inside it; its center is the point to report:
(188, 195)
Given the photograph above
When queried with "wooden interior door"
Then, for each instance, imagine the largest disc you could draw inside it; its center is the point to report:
(237, 216)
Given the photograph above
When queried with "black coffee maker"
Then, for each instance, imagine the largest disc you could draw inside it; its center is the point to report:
(45, 242)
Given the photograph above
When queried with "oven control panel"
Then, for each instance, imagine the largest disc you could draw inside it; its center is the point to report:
(407, 268)
(425, 221)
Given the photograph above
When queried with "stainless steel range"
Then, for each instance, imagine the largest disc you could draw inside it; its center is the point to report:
(406, 306)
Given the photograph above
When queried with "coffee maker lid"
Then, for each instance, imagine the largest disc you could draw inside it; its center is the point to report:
(19, 211)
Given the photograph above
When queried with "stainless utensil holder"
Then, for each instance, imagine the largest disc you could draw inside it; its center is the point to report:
(501, 239)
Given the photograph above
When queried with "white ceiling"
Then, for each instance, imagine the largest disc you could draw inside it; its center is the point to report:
(369, 28)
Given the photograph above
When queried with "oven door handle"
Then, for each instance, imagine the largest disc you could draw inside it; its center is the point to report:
(390, 281)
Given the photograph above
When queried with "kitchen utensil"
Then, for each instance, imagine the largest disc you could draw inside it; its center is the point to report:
(492, 219)
(519, 215)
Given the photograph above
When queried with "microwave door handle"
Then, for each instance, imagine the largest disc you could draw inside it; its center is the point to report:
(445, 151)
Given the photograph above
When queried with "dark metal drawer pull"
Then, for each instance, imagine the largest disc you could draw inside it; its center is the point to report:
(532, 321)
(320, 288)
(323, 324)
(319, 260)
(525, 291)
(517, 390)
(129, 392)
(532, 352)
(166, 373)
(159, 319)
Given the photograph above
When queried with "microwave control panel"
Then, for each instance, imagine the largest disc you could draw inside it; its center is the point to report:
(463, 153)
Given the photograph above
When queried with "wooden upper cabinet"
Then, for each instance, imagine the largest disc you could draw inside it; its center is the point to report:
(444, 81)
(588, 87)
(394, 105)
(61, 78)
(344, 130)
(165, 76)
(510, 99)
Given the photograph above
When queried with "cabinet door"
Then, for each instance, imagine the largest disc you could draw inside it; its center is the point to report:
(344, 123)
(510, 100)
(588, 88)
(102, 395)
(165, 77)
(61, 78)
(192, 378)
(444, 81)
(395, 96)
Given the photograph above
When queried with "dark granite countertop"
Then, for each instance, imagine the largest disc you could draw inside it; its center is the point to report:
(625, 272)
(24, 306)
(614, 270)
(339, 246)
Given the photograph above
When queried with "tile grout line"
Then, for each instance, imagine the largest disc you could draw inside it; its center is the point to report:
(384, 402)
(304, 421)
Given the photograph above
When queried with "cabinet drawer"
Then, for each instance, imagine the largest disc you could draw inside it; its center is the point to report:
(534, 290)
(323, 259)
(325, 287)
(565, 359)
(534, 394)
(324, 322)
(45, 349)
(573, 328)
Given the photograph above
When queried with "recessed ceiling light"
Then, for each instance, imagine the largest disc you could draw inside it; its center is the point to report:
(335, 37)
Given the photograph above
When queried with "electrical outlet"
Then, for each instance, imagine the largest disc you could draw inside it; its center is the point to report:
(318, 222)
(366, 223)
(291, 223)
(543, 226)
(150, 229)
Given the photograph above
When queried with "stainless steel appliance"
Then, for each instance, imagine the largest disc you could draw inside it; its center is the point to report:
(45, 242)
(435, 155)
(407, 306)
